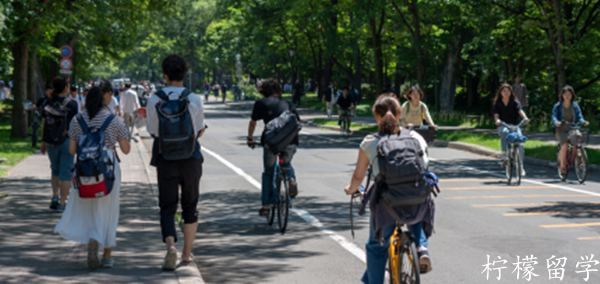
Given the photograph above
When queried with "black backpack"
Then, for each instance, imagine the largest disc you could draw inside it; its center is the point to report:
(177, 140)
(56, 122)
(281, 131)
(402, 170)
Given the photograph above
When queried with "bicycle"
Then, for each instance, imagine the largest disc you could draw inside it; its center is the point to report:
(35, 125)
(576, 154)
(425, 130)
(513, 165)
(403, 260)
(283, 200)
(345, 125)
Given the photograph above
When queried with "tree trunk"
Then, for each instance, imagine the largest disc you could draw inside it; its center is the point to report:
(193, 65)
(418, 43)
(561, 72)
(448, 88)
(377, 56)
(20, 52)
(357, 80)
(31, 83)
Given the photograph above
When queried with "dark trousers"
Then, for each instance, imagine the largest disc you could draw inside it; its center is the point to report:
(296, 99)
(171, 176)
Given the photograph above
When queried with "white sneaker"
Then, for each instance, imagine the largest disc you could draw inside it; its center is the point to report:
(523, 172)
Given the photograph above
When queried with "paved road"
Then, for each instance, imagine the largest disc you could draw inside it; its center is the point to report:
(477, 215)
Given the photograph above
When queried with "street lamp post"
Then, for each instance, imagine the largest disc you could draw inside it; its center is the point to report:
(217, 79)
(238, 67)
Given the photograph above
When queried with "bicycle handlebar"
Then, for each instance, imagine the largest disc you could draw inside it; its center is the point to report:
(576, 125)
(422, 127)
(522, 123)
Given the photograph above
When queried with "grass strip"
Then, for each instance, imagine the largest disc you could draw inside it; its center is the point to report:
(14, 150)
(353, 126)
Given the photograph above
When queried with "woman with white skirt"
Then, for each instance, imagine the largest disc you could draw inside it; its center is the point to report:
(93, 221)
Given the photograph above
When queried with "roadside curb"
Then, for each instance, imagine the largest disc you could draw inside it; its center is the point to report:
(188, 273)
(476, 149)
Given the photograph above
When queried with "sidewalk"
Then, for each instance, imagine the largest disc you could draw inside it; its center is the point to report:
(32, 253)
(309, 113)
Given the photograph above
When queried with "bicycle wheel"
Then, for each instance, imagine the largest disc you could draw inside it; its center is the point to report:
(283, 204)
(408, 261)
(517, 166)
(581, 164)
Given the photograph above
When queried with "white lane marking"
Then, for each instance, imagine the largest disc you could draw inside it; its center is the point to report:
(525, 180)
(349, 246)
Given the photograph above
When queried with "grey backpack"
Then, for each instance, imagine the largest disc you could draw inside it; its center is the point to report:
(402, 170)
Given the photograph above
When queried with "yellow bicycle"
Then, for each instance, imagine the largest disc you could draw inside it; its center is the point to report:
(403, 258)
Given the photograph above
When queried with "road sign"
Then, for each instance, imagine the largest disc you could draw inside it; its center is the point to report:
(66, 72)
(66, 51)
(66, 64)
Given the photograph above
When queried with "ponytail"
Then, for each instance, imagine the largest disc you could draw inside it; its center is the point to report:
(388, 108)
(94, 101)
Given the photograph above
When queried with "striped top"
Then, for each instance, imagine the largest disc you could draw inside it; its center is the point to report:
(115, 131)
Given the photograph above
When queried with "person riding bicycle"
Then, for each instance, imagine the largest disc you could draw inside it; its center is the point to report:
(507, 108)
(268, 108)
(414, 111)
(345, 104)
(387, 112)
(566, 109)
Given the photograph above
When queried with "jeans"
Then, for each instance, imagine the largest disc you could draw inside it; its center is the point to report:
(377, 253)
(503, 131)
(269, 159)
(61, 161)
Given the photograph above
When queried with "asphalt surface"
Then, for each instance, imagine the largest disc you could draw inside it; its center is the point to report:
(477, 215)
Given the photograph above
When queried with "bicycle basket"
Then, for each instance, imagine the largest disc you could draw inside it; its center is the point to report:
(514, 137)
(579, 137)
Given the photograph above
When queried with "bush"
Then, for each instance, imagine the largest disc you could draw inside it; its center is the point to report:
(250, 92)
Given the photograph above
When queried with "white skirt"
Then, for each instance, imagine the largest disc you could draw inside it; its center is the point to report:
(95, 218)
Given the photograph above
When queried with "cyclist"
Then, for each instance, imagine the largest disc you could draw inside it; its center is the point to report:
(507, 108)
(345, 104)
(566, 109)
(387, 112)
(268, 108)
(414, 111)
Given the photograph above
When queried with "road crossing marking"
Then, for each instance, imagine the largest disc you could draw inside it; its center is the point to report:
(570, 225)
(589, 238)
(468, 179)
(494, 187)
(547, 212)
(519, 196)
(531, 204)
(348, 245)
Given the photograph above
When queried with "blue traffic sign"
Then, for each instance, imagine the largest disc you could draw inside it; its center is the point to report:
(66, 51)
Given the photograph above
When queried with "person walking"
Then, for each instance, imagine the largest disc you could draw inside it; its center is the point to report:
(128, 108)
(224, 92)
(520, 91)
(57, 112)
(298, 91)
(93, 221)
(173, 172)
(329, 99)
(77, 98)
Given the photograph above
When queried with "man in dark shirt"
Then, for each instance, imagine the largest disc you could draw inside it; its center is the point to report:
(345, 104)
(297, 93)
(266, 109)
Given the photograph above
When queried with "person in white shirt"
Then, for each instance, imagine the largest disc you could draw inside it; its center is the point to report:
(78, 98)
(128, 107)
(114, 106)
(174, 175)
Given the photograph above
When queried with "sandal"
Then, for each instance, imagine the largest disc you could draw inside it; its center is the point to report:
(170, 261)
(187, 261)
(263, 211)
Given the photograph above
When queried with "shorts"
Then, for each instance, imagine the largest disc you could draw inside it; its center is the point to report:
(61, 161)
(344, 112)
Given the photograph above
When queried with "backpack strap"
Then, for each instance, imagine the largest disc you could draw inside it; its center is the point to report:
(161, 94)
(84, 126)
(107, 122)
(422, 111)
(185, 93)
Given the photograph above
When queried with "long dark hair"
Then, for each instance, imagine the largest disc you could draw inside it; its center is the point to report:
(388, 108)
(94, 101)
(499, 93)
(59, 83)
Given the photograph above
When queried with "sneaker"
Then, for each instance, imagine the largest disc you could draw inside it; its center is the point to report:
(264, 211)
(108, 263)
(60, 208)
(293, 188)
(54, 202)
(170, 262)
(523, 173)
(92, 256)
(424, 260)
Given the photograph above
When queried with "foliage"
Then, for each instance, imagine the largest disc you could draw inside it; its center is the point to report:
(14, 150)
